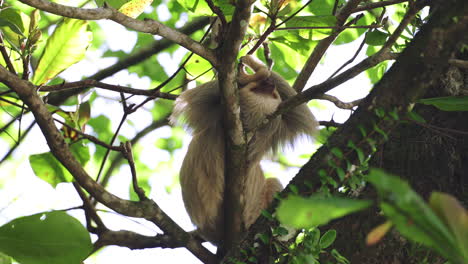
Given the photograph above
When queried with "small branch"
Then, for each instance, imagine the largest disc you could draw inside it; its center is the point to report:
(117, 159)
(90, 211)
(134, 240)
(370, 6)
(143, 54)
(332, 27)
(146, 26)
(350, 60)
(128, 154)
(273, 26)
(90, 138)
(106, 155)
(337, 101)
(21, 138)
(117, 88)
(459, 63)
(5, 55)
(323, 46)
(217, 11)
(147, 209)
(330, 123)
(329, 84)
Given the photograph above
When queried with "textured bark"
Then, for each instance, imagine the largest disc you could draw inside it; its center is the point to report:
(431, 157)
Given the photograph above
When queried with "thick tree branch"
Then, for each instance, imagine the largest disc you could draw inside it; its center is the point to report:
(147, 26)
(236, 148)
(134, 240)
(420, 65)
(146, 209)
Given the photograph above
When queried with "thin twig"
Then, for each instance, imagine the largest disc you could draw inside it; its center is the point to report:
(128, 154)
(5, 55)
(17, 143)
(217, 11)
(330, 123)
(337, 101)
(350, 60)
(370, 6)
(89, 137)
(90, 212)
(106, 155)
(330, 27)
(323, 46)
(111, 87)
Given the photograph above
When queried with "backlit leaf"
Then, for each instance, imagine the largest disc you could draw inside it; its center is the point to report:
(65, 47)
(45, 238)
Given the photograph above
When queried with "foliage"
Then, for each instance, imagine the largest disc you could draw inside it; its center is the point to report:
(128, 97)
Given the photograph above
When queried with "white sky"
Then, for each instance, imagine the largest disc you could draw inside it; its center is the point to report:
(26, 194)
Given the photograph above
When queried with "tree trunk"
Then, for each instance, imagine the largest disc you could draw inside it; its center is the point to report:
(431, 156)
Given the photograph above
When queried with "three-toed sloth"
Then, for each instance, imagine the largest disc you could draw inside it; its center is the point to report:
(202, 172)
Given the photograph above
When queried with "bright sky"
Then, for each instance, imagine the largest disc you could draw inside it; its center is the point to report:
(26, 194)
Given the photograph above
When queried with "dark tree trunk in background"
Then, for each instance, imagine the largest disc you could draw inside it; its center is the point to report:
(431, 157)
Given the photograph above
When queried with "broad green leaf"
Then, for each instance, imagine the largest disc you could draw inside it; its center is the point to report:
(312, 21)
(49, 169)
(112, 3)
(455, 217)
(323, 7)
(46, 238)
(200, 7)
(5, 259)
(65, 47)
(314, 211)
(449, 103)
(411, 215)
(197, 66)
(376, 38)
(327, 239)
(134, 8)
(351, 34)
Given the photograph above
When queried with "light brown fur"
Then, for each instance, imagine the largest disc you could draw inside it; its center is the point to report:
(202, 172)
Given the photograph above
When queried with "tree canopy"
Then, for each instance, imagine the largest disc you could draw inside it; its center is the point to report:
(90, 122)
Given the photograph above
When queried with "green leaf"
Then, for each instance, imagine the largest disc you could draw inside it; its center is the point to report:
(416, 117)
(323, 7)
(65, 47)
(376, 38)
(449, 103)
(314, 211)
(327, 239)
(45, 238)
(313, 21)
(5, 259)
(412, 217)
(49, 169)
(455, 217)
(351, 34)
(134, 8)
(112, 3)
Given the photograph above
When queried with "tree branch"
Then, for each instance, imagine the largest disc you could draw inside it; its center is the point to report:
(146, 26)
(370, 6)
(146, 209)
(323, 45)
(80, 85)
(420, 65)
(339, 103)
(236, 148)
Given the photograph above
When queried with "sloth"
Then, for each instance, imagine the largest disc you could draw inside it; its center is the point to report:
(202, 171)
